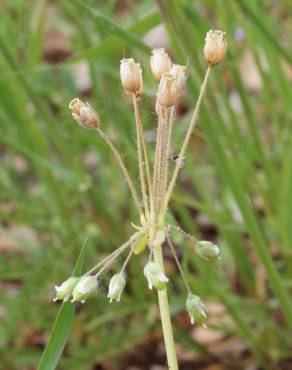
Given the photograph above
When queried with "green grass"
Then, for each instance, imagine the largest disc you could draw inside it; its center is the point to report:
(237, 174)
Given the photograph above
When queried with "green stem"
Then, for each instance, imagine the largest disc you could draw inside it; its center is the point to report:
(165, 317)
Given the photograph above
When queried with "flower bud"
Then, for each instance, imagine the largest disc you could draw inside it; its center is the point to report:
(160, 63)
(86, 286)
(141, 244)
(116, 286)
(180, 74)
(84, 114)
(64, 291)
(196, 309)
(131, 76)
(215, 47)
(207, 250)
(166, 94)
(155, 275)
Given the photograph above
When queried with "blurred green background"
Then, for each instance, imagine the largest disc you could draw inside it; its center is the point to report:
(59, 184)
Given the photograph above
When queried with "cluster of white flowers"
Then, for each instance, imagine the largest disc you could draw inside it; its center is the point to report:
(79, 288)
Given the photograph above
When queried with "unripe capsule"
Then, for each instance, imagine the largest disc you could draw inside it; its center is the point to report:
(207, 250)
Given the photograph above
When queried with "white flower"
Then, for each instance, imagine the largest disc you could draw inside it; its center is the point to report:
(116, 286)
(86, 286)
(160, 63)
(64, 291)
(155, 276)
(196, 309)
(131, 76)
(215, 47)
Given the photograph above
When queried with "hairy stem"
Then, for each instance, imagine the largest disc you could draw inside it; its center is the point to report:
(157, 161)
(167, 149)
(187, 139)
(178, 264)
(113, 255)
(144, 147)
(123, 168)
(118, 252)
(140, 155)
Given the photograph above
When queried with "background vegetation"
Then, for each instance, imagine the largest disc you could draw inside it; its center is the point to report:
(59, 184)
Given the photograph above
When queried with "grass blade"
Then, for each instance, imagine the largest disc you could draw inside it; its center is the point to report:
(114, 27)
(62, 326)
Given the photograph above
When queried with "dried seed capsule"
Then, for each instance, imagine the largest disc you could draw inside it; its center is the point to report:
(196, 309)
(84, 114)
(131, 76)
(160, 63)
(155, 276)
(207, 250)
(180, 74)
(116, 286)
(215, 47)
(167, 94)
(86, 287)
(64, 291)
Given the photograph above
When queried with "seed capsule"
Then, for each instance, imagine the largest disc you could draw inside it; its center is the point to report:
(167, 93)
(207, 250)
(180, 74)
(215, 47)
(131, 76)
(116, 286)
(64, 291)
(196, 309)
(86, 287)
(155, 276)
(84, 114)
(160, 63)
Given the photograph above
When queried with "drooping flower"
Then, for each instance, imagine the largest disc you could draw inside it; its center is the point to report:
(116, 286)
(196, 309)
(86, 287)
(64, 291)
(155, 276)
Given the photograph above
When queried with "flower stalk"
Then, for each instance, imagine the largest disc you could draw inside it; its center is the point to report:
(155, 187)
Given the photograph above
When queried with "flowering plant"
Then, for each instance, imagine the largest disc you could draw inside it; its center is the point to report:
(156, 186)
